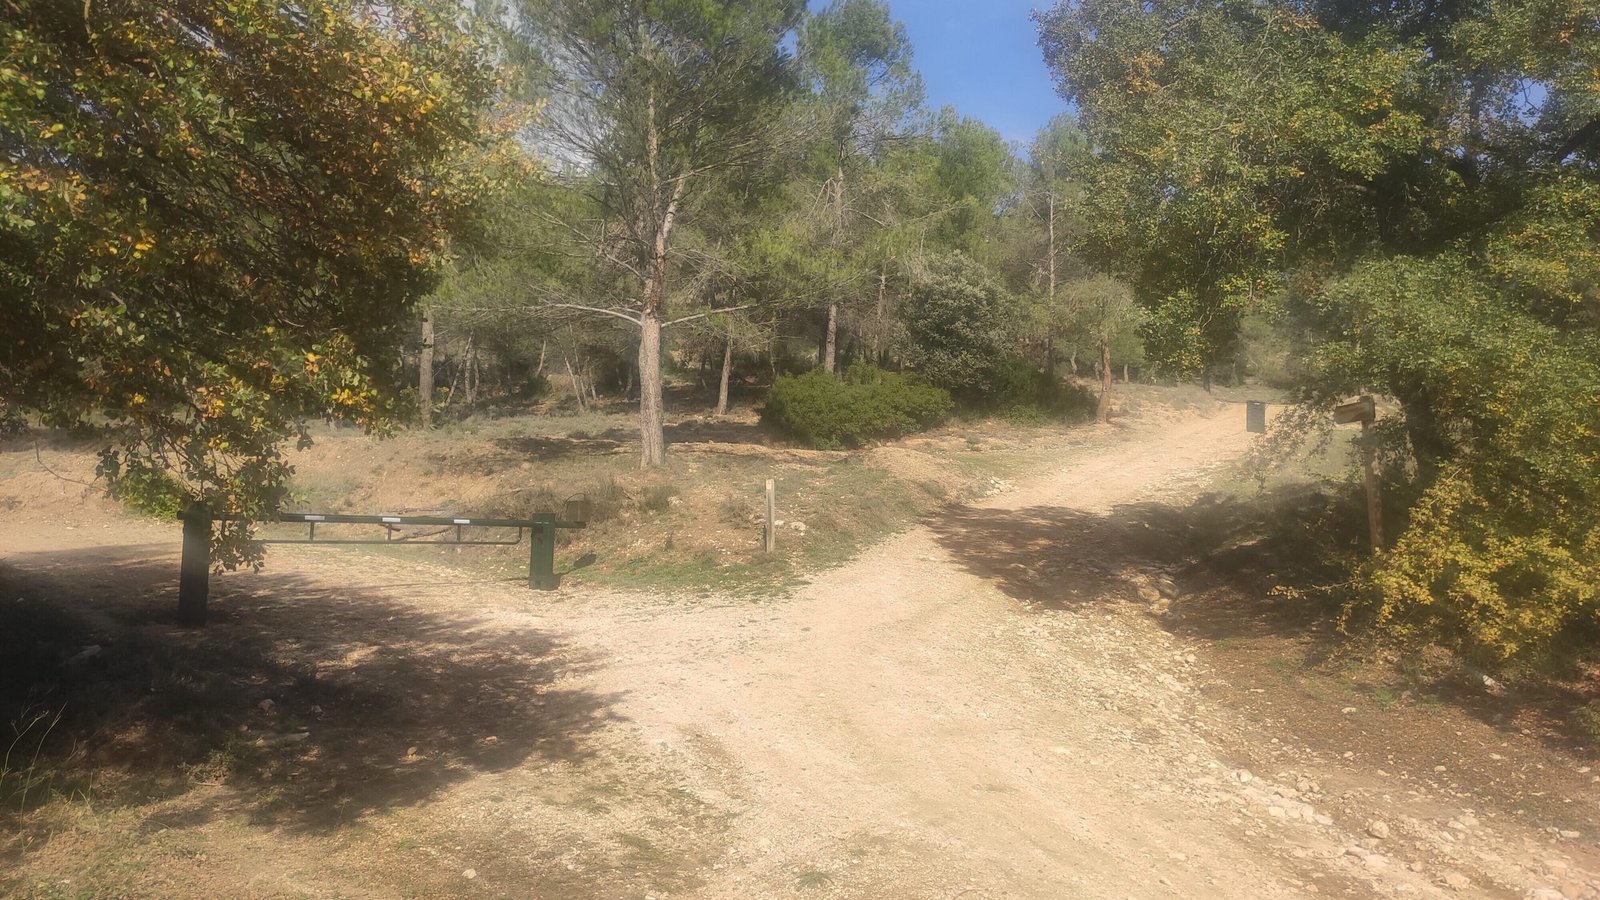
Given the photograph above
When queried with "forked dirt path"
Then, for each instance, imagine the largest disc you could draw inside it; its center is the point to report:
(900, 727)
(903, 705)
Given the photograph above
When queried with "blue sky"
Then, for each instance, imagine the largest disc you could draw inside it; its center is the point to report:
(982, 57)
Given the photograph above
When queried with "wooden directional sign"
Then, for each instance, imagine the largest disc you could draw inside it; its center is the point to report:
(1363, 410)
(1360, 410)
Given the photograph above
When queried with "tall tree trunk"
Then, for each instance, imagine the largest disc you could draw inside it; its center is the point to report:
(1125, 374)
(652, 415)
(472, 368)
(1050, 291)
(577, 386)
(830, 346)
(830, 342)
(727, 371)
(425, 370)
(878, 330)
(544, 346)
(1103, 414)
(652, 405)
(1429, 446)
(1074, 362)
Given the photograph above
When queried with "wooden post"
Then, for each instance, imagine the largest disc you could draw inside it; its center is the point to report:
(194, 572)
(1369, 468)
(1364, 410)
(772, 515)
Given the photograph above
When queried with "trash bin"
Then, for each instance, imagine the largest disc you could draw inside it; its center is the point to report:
(1255, 417)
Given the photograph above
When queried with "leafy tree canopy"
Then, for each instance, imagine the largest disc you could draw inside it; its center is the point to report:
(214, 215)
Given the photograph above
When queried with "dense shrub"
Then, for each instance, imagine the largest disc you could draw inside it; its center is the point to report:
(1019, 391)
(961, 324)
(1497, 554)
(869, 404)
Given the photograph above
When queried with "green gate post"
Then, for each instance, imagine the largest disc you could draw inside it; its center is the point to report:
(542, 553)
(194, 572)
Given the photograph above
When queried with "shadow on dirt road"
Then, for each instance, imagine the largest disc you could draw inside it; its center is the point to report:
(318, 702)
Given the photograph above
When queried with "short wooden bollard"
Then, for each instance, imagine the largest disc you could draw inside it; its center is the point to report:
(772, 515)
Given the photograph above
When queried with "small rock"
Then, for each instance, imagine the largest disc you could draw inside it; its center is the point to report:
(267, 706)
(1468, 821)
(279, 740)
(470, 874)
(1348, 710)
(86, 654)
(1244, 776)
(491, 739)
(1378, 828)
(1570, 834)
(1456, 881)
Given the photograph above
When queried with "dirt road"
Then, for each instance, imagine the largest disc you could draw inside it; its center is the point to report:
(901, 727)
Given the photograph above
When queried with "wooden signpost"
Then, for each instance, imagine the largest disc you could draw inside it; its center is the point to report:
(772, 515)
(1364, 410)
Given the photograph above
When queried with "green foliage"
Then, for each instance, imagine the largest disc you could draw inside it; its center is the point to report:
(869, 404)
(1586, 719)
(961, 324)
(214, 217)
(1500, 557)
(1226, 136)
(145, 489)
(1025, 395)
(1432, 234)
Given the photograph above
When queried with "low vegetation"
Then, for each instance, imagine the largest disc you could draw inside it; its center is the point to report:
(868, 404)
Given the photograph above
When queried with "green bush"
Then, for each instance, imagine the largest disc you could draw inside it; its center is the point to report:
(869, 404)
(961, 324)
(1022, 393)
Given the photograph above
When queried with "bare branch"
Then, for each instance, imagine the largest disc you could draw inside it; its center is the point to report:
(617, 313)
(709, 312)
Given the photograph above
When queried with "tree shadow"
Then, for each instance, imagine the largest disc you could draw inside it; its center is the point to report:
(547, 449)
(700, 431)
(318, 702)
(1062, 558)
(1247, 574)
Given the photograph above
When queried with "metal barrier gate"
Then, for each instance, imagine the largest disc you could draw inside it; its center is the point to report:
(194, 579)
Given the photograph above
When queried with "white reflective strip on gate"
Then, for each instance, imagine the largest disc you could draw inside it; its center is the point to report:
(463, 521)
(393, 519)
(314, 518)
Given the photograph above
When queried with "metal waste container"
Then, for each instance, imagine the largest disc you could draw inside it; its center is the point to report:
(1255, 417)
